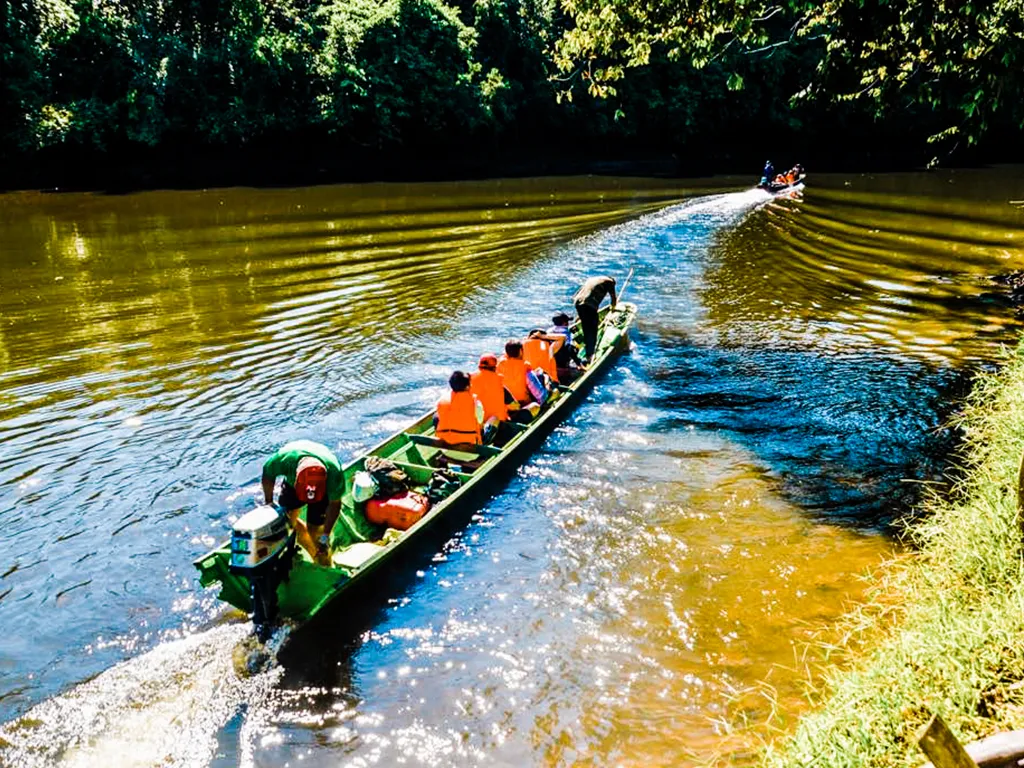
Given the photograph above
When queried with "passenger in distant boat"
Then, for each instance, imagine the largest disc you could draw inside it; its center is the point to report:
(567, 359)
(539, 351)
(587, 301)
(312, 479)
(769, 172)
(460, 415)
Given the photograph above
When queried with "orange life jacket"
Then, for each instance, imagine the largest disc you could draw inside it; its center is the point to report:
(489, 390)
(456, 419)
(537, 354)
(513, 375)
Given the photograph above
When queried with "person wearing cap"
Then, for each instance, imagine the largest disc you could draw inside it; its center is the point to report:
(587, 301)
(312, 478)
(460, 415)
(487, 385)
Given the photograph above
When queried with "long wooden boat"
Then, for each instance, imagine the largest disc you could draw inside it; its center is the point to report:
(308, 588)
(773, 187)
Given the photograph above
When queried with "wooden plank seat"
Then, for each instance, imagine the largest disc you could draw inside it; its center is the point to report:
(484, 451)
(421, 473)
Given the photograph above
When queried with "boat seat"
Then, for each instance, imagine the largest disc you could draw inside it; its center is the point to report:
(417, 468)
(355, 555)
(485, 451)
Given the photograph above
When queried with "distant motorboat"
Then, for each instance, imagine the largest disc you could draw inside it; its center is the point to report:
(773, 186)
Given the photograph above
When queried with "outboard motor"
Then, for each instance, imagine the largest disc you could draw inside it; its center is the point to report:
(262, 547)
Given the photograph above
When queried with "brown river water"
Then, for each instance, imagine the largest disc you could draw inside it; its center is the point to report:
(652, 588)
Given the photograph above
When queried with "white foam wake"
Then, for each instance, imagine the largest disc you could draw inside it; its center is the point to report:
(165, 707)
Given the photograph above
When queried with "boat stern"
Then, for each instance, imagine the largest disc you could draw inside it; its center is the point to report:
(215, 567)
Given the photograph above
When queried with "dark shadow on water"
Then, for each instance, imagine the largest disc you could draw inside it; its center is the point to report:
(852, 440)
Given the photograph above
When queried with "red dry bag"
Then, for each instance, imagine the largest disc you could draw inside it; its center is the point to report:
(401, 511)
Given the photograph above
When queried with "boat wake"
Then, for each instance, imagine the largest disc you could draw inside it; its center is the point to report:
(170, 706)
(718, 210)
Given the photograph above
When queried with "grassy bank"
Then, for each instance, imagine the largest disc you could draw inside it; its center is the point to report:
(945, 631)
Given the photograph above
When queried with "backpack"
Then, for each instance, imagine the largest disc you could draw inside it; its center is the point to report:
(391, 479)
(442, 485)
(539, 385)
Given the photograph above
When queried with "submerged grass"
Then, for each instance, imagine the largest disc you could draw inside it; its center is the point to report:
(945, 629)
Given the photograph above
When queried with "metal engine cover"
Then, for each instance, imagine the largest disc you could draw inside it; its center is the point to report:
(257, 538)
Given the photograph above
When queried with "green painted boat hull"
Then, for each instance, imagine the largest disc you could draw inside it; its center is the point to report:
(310, 588)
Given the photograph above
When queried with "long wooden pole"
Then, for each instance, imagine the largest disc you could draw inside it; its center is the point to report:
(625, 285)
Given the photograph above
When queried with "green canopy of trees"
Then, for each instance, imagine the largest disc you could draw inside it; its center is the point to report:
(373, 75)
(950, 67)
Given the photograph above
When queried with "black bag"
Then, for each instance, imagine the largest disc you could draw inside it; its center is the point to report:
(442, 485)
(391, 479)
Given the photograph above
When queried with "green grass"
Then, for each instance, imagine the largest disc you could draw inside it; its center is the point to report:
(945, 629)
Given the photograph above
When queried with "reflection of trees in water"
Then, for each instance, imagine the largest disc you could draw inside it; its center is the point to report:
(221, 282)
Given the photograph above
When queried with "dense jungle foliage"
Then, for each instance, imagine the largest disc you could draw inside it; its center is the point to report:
(352, 83)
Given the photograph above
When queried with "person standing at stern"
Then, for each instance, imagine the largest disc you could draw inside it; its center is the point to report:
(587, 301)
(312, 479)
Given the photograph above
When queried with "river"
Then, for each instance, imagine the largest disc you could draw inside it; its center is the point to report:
(650, 587)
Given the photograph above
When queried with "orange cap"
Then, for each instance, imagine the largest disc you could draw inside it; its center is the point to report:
(310, 479)
(488, 362)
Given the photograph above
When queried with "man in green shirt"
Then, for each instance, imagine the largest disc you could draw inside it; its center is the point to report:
(312, 479)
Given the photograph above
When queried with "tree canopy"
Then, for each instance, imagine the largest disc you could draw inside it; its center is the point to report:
(955, 66)
(373, 76)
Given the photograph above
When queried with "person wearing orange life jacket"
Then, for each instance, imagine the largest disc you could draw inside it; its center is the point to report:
(539, 352)
(512, 369)
(499, 405)
(460, 414)
(488, 388)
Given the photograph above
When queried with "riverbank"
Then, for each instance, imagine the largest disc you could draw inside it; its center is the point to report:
(306, 160)
(944, 631)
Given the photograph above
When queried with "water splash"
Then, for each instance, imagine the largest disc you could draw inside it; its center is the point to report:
(165, 707)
